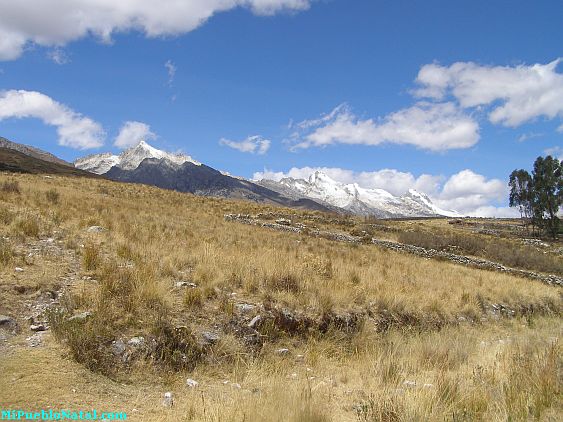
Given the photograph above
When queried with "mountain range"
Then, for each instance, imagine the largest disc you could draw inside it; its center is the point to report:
(143, 163)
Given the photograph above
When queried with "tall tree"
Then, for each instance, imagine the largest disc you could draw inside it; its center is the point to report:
(547, 192)
(521, 193)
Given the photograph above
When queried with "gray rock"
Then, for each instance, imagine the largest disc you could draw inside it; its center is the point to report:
(283, 222)
(282, 352)
(7, 321)
(245, 307)
(191, 383)
(209, 337)
(409, 384)
(80, 317)
(185, 284)
(168, 399)
(136, 341)
(38, 327)
(19, 269)
(95, 229)
(117, 347)
(255, 321)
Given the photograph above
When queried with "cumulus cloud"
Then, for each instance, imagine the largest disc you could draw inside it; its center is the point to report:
(466, 192)
(55, 23)
(131, 133)
(253, 144)
(432, 126)
(516, 94)
(74, 130)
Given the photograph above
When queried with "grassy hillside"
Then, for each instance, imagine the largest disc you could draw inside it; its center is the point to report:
(272, 325)
(18, 162)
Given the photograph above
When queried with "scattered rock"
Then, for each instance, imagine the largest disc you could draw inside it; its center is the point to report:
(117, 347)
(185, 284)
(209, 337)
(428, 386)
(95, 229)
(80, 317)
(34, 340)
(282, 352)
(300, 358)
(136, 341)
(168, 399)
(409, 384)
(245, 307)
(255, 322)
(283, 221)
(38, 327)
(7, 322)
(191, 383)
(19, 269)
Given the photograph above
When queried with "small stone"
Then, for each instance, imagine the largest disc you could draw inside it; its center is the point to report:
(136, 341)
(282, 352)
(80, 317)
(19, 269)
(428, 386)
(410, 384)
(95, 229)
(255, 321)
(300, 358)
(168, 400)
(117, 347)
(245, 307)
(236, 385)
(185, 284)
(38, 327)
(209, 337)
(191, 383)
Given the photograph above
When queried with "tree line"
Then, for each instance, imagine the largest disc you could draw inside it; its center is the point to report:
(539, 195)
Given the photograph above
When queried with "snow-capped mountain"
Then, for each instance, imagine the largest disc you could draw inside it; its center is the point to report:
(150, 166)
(129, 159)
(355, 199)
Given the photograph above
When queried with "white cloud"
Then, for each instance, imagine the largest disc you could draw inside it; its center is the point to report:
(131, 133)
(527, 136)
(253, 144)
(54, 23)
(58, 55)
(436, 127)
(516, 94)
(467, 192)
(171, 70)
(74, 129)
(556, 152)
(560, 129)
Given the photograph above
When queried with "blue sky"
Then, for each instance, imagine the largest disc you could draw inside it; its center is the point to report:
(260, 67)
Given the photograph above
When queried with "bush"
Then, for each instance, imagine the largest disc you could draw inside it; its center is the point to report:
(11, 186)
(52, 196)
(6, 253)
(91, 257)
(28, 225)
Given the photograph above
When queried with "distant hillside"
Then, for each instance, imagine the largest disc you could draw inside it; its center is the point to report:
(33, 152)
(18, 162)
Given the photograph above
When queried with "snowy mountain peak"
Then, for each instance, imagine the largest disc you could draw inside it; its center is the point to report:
(129, 159)
(356, 199)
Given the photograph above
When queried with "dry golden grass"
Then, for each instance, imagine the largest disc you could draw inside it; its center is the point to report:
(418, 321)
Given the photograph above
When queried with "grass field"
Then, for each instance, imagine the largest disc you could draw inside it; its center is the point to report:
(345, 331)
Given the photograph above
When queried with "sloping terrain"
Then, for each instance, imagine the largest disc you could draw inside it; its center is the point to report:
(141, 291)
(32, 152)
(19, 162)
